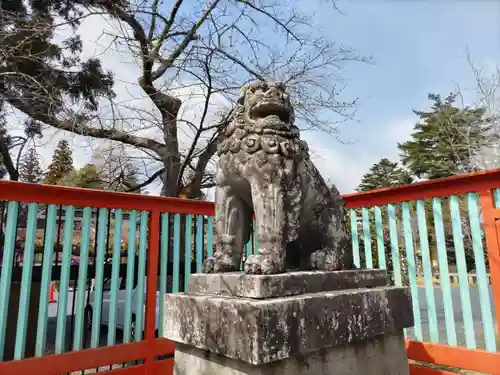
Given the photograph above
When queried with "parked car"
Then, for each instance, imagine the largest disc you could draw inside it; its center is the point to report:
(120, 306)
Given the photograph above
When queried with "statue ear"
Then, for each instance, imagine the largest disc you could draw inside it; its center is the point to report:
(241, 98)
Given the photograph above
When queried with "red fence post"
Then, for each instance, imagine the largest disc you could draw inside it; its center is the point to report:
(492, 232)
(153, 255)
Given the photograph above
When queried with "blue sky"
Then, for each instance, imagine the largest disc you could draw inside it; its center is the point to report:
(417, 47)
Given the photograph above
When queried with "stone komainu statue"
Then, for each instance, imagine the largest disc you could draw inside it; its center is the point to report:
(265, 168)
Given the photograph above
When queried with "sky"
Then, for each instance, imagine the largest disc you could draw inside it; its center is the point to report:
(416, 47)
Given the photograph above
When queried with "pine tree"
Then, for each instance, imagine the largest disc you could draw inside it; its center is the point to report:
(446, 140)
(30, 169)
(86, 177)
(384, 174)
(62, 164)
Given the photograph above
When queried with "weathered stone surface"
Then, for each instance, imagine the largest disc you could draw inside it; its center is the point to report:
(265, 168)
(264, 331)
(238, 284)
(383, 355)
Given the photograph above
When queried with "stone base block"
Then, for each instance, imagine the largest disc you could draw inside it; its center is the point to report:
(382, 355)
(237, 284)
(262, 331)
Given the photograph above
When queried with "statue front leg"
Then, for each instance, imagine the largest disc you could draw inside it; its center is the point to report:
(232, 224)
(268, 201)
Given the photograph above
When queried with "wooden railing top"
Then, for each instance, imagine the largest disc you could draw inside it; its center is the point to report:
(69, 196)
(61, 195)
(441, 187)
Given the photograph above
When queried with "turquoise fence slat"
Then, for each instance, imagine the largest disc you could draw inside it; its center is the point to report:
(188, 243)
(456, 223)
(367, 238)
(7, 261)
(379, 231)
(496, 196)
(24, 298)
(131, 251)
(69, 223)
(355, 238)
(115, 273)
(177, 253)
(255, 237)
(199, 243)
(248, 247)
(393, 235)
(444, 276)
(426, 263)
(482, 276)
(141, 277)
(210, 230)
(163, 268)
(99, 276)
(43, 308)
(82, 278)
(412, 269)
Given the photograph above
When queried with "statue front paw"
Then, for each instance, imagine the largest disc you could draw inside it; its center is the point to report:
(214, 265)
(258, 264)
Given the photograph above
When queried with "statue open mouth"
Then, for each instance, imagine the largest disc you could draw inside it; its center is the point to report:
(269, 109)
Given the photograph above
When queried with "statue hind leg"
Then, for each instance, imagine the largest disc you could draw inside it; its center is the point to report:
(232, 226)
(336, 250)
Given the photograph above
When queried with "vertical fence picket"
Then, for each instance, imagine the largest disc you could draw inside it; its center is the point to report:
(367, 238)
(481, 274)
(6, 275)
(456, 223)
(210, 230)
(115, 270)
(188, 243)
(64, 282)
(163, 267)
(141, 276)
(393, 234)
(412, 269)
(82, 278)
(354, 237)
(177, 253)
(43, 308)
(426, 262)
(379, 230)
(130, 275)
(199, 243)
(444, 276)
(99, 277)
(255, 237)
(24, 298)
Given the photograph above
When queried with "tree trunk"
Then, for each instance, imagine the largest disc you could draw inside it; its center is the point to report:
(169, 109)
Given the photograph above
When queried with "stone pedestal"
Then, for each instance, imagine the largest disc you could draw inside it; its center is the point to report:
(321, 323)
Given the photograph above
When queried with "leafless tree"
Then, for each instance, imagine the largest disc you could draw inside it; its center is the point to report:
(486, 94)
(211, 48)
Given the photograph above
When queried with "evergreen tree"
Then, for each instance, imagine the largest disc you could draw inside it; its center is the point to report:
(62, 164)
(446, 140)
(30, 169)
(86, 177)
(384, 174)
